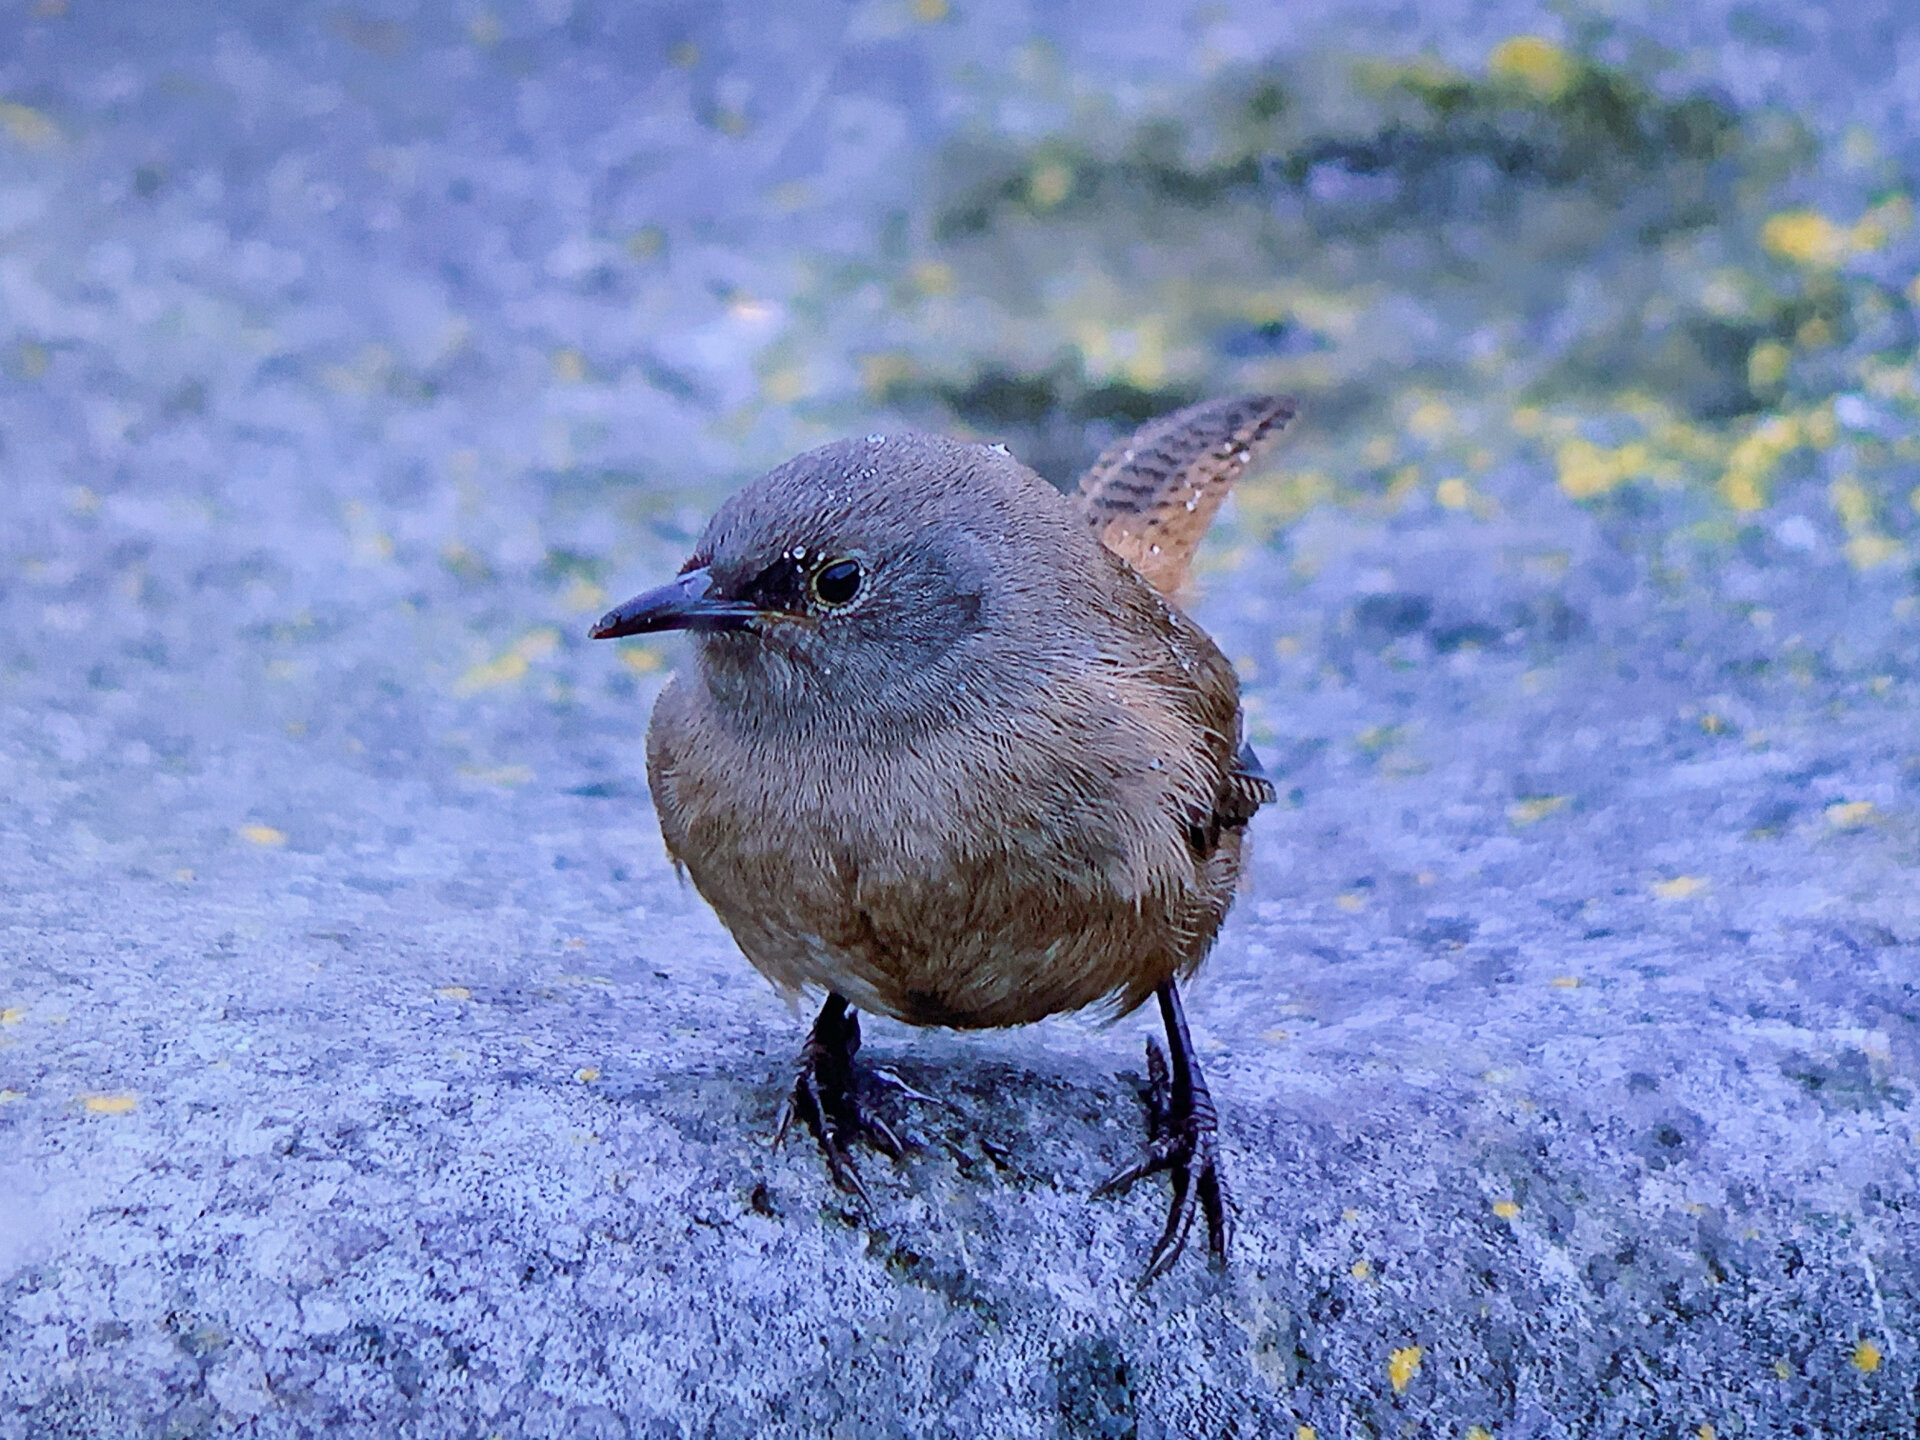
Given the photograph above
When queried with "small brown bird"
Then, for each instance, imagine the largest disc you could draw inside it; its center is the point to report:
(949, 752)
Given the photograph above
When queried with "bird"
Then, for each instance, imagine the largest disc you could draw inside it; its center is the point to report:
(950, 751)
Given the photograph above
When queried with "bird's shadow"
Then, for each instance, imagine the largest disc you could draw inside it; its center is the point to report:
(964, 1119)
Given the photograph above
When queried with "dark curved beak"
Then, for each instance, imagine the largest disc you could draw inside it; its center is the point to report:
(686, 603)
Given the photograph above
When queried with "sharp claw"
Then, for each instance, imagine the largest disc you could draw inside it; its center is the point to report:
(1213, 1198)
(891, 1078)
(848, 1178)
(882, 1135)
(1160, 1154)
(1173, 1239)
(786, 1121)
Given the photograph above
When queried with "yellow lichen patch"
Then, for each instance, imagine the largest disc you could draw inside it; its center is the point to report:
(1587, 470)
(1136, 354)
(1867, 547)
(1505, 1209)
(7, 1097)
(1806, 237)
(1753, 459)
(930, 12)
(881, 372)
(1767, 365)
(1866, 1357)
(1850, 814)
(1361, 1270)
(1478, 1432)
(511, 666)
(1049, 184)
(933, 277)
(786, 384)
(1867, 552)
(587, 1074)
(1706, 1432)
(454, 992)
(1813, 333)
(1431, 420)
(264, 836)
(1851, 503)
(641, 659)
(1272, 503)
(1821, 429)
(1306, 1432)
(26, 125)
(1402, 1365)
(108, 1104)
(13, 1015)
(1565, 982)
(1536, 63)
(1376, 740)
(1782, 1370)
(1453, 493)
(1535, 808)
(1880, 224)
(1351, 901)
(1680, 887)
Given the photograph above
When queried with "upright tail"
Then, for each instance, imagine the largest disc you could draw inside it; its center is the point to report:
(1151, 496)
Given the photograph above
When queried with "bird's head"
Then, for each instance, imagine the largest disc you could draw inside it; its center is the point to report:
(863, 579)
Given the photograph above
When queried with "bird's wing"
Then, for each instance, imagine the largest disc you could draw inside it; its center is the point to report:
(1151, 496)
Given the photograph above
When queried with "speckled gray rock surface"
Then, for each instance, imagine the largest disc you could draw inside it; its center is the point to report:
(364, 1068)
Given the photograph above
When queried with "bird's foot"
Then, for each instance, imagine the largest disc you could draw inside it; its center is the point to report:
(826, 1096)
(1183, 1139)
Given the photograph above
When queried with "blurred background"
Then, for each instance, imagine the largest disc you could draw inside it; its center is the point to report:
(354, 357)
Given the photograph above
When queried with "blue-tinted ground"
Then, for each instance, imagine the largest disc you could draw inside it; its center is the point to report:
(362, 1065)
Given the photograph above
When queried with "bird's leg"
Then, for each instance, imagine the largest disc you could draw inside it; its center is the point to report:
(826, 1096)
(1184, 1140)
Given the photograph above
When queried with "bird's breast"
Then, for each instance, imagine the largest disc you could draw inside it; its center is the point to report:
(985, 875)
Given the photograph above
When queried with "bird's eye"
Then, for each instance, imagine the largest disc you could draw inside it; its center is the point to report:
(838, 583)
